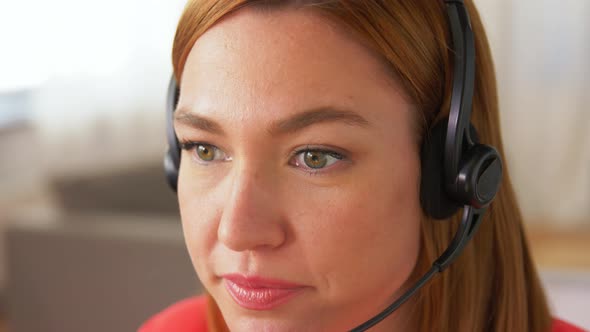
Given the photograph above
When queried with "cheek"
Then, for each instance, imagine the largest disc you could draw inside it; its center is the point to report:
(367, 232)
(197, 212)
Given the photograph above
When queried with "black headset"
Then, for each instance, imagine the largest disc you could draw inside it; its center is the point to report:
(457, 171)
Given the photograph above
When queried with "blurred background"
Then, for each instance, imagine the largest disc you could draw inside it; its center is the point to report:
(90, 236)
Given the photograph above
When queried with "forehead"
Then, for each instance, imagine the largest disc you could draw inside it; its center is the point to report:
(267, 60)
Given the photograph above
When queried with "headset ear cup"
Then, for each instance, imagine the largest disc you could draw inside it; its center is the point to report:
(171, 170)
(434, 199)
(172, 155)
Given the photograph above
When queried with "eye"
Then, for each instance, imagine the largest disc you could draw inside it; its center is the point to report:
(204, 152)
(315, 159)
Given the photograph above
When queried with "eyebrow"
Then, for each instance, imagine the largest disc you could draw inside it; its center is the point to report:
(289, 125)
(197, 121)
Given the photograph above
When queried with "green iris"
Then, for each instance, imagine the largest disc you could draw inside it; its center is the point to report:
(315, 159)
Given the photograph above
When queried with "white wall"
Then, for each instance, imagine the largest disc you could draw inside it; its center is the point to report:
(542, 54)
(98, 71)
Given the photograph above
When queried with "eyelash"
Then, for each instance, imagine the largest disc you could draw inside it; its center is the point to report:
(190, 145)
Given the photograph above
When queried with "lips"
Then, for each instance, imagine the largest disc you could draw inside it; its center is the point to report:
(258, 293)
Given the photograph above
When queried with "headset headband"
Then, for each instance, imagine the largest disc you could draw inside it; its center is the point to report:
(462, 91)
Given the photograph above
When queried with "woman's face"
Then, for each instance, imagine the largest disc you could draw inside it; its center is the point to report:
(298, 189)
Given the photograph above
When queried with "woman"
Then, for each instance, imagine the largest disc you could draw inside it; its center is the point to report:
(301, 125)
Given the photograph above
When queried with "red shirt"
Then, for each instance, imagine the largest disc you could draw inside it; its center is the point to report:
(190, 315)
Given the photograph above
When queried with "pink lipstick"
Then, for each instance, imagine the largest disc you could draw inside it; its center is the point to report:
(259, 293)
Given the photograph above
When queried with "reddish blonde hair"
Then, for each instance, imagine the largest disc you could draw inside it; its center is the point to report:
(494, 285)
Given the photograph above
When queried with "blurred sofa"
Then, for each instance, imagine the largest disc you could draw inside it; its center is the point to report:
(111, 258)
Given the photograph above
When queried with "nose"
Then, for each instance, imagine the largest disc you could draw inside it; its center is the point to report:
(251, 218)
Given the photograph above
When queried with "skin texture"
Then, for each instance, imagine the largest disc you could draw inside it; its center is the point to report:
(350, 232)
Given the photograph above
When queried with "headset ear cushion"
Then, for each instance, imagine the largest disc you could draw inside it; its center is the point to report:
(171, 170)
(435, 201)
(172, 155)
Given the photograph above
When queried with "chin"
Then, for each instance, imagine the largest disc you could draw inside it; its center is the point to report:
(284, 322)
(281, 320)
(267, 324)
